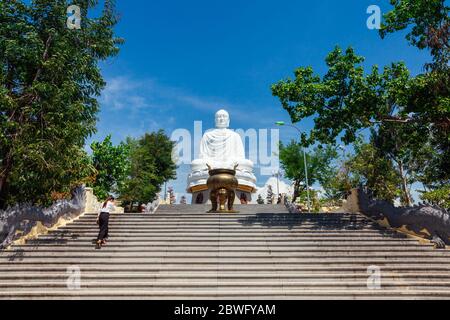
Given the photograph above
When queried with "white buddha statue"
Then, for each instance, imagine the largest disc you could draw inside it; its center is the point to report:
(221, 148)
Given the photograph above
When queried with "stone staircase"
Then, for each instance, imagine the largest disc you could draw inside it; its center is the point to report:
(181, 252)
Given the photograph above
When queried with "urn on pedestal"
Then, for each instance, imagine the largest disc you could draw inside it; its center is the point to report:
(222, 184)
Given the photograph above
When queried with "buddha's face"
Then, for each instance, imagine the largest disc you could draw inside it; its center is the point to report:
(222, 119)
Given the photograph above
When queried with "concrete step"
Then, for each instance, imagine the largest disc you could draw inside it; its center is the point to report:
(295, 244)
(115, 233)
(181, 252)
(227, 225)
(262, 248)
(242, 213)
(242, 219)
(222, 233)
(234, 222)
(229, 217)
(396, 268)
(269, 241)
(232, 276)
(223, 254)
(203, 207)
(167, 260)
(217, 227)
(214, 294)
(267, 284)
(299, 235)
(149, 241)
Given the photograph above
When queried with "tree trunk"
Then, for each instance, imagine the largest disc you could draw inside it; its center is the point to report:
(406, 194)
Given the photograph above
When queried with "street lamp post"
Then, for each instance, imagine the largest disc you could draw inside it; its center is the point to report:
(282, 123)
(165, 192)
(277, 174)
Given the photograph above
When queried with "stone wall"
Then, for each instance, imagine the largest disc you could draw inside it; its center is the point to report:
(425, 221)
(23, 222)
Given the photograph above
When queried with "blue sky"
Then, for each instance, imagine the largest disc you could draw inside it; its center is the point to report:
(184, 60)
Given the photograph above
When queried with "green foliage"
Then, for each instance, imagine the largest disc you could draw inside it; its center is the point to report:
(319, 165)
(401, 145)
(440, 197)
(322, 164)
(374, 166)
(429, 102)
(428, 25)
(409, 116)
(368, 167)
(345, 100)
(338, 184)
(49, 78)
(316, 205)
(38, 183)
(112, 165)
(302, 200)
(151, 165)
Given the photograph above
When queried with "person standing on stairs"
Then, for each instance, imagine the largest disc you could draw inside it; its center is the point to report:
(103, 221)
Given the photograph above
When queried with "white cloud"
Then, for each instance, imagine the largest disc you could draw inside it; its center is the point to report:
(120, 93)
(126, 93)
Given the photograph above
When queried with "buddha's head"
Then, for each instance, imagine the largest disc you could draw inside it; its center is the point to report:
(222, 119)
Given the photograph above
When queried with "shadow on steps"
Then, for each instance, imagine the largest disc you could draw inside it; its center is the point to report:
(334, 221)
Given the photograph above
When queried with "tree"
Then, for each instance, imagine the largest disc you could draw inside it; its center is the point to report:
(49, 81)
(440, 197)
(407, 148)
(260, 199)
(319, 165)
(316, 205)
(370, 168)
(347, 99)
(269, 197)
(112, 164)
(428, 100)
(151, 165)
(322, 163)
(339, 184)
(428, 24)
(30, 186)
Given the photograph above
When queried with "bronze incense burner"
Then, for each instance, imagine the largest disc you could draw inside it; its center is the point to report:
(222, 184)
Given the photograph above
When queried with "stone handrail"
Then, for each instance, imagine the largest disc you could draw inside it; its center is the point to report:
(424, 221)
(25, 220)
(153, 206)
